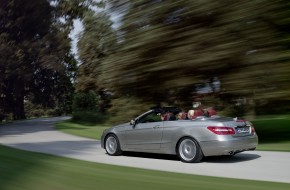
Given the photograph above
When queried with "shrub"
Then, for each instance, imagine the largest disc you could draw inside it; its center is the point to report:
(234, 111)
(126, 108)
(85, 102)
(88, 117)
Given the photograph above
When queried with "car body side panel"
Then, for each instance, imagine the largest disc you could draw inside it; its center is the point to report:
(119, 132)
(175, 130)
(144, 136)
(229, 145)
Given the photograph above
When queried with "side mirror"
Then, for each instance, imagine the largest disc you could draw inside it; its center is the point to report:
(132, 122)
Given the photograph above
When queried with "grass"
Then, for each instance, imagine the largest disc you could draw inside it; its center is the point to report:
(278, 146)
(89, 131)
(21, 170)
(274, 133)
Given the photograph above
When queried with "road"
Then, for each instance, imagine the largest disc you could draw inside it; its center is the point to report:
(39, 135)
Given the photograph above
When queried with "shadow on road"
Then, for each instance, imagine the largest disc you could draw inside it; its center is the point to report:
(151, 156)
(241, 157)
(30, 126)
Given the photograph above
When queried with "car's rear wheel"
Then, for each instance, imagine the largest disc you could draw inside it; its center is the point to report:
(189, 150)
(112, 145)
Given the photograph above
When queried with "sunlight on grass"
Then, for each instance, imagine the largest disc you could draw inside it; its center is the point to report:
(45, 172)
(281, 146)
(273, 132)
(93, 132)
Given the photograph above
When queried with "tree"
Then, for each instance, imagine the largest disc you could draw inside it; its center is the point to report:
(22, 24)
(177, 44)
(96, 42)
(35, 60)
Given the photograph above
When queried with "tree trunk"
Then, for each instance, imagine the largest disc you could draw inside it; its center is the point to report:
(18, 109)
(18, 104)
(14, 101)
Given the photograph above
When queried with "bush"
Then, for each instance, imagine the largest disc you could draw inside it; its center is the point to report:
(85, 102)
(276, 107)
(89, 117)
(234, 111)
(126, 108)
(36, 110)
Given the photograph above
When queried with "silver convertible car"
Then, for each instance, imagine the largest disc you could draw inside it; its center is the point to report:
(193, 137)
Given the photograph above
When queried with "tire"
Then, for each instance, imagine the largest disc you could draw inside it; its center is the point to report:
(112, 145)
(189, 150)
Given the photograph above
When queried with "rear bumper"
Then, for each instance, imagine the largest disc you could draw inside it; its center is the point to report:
(229, 145)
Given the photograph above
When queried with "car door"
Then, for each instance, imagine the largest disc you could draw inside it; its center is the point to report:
(146, 134)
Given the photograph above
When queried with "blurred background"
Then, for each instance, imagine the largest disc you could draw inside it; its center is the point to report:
(231, 55)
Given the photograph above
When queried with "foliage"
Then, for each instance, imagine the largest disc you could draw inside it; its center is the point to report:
(95, 43)
(37, 110)
(176, 44)
(89, 117)
(20, 43)
(85, 102)
(233, 111)
(86, 109)
(126, 108)
(274, 107)
(35, 59)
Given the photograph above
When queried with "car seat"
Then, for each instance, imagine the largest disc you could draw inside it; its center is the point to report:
(182, 115)
(211, 112)
(193, 114)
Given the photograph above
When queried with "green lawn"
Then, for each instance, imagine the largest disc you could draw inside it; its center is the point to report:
(89, 131)
(274, 133)
(21, 170)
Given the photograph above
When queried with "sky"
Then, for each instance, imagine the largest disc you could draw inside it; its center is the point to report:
(78, 27)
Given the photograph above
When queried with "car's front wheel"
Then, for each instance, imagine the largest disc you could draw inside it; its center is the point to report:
(112, 145)
(189, 150)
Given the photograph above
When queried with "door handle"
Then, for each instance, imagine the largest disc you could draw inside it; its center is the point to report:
(156, 127)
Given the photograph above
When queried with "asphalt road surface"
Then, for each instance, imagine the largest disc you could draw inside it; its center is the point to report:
(39, 135)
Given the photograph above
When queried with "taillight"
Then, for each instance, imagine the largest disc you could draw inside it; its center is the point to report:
(222, 130)
(250, 124)
(253, 131)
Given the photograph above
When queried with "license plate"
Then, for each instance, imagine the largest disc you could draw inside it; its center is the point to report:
(243, 130)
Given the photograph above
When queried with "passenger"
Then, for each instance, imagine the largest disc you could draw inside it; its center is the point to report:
(190, 114)
(165, 116)
(193, 114)
(168, 116)
(182, 116)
